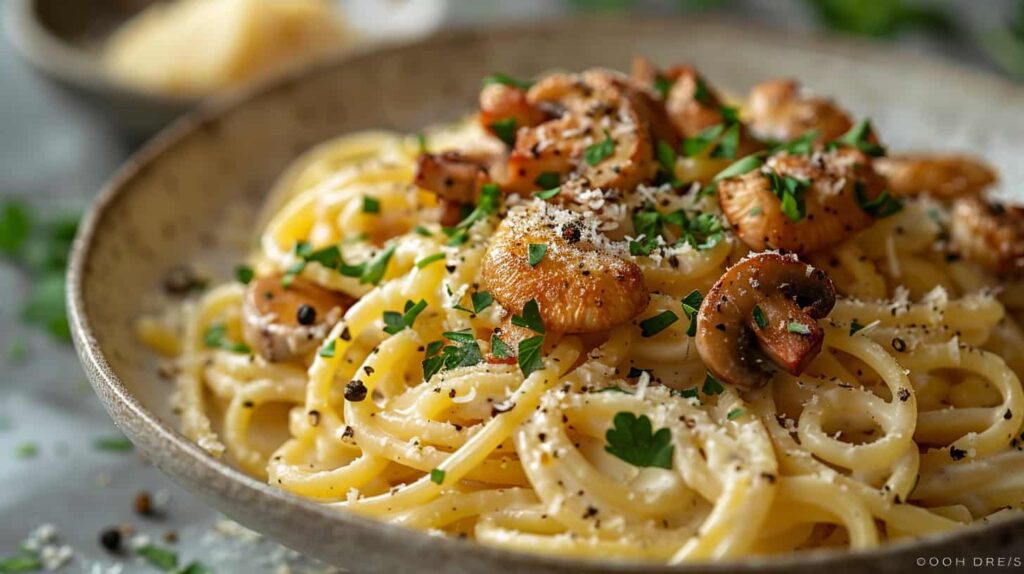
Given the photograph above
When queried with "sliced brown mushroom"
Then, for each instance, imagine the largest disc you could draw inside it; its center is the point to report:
(779, 111)
(501, 102)
(762, 314)
(832, 187)
(287, 323)
(596, 108)
(580, 284)
(941, 176)
(990, 233)
(452, 175)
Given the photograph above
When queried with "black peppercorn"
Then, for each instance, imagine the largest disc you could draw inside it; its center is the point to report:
(111, 540)
(306, 315)
(355, 391)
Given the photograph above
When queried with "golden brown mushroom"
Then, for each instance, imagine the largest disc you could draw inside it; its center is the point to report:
(581, 285)
(990, 233)
(763, 311)
(452, 175)
(941, 176)
(779, 111)
(286, 323)
(502, 102)
(601, 134)
(826, 208)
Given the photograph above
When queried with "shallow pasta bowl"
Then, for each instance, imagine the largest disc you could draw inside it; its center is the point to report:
(193, 194)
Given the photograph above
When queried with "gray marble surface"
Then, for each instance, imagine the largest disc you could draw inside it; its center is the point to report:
(57, 156)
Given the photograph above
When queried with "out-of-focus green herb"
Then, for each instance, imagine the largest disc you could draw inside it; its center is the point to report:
(1006, 46)
(882, 18)
(40, 247)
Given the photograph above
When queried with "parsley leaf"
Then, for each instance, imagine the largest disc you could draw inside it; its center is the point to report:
(854, 327)
(529, 355)
(548, 180)
(859, 137)
(759, 317)
(729, 144)
(711, 385)
(734, 413)
(465, 352)
(799, 146)
(45, 307)
(394, 322)
(631, 440)
(506, 80)
(658, 323)
(694, 146)
(798, 328)
(548, 193)
(536, 253)
(215, 337)
(530, 318)
(113, 444)
(375, 268)
(741, 166)
(21, 563)
(600, 151)
(15, 224)
(790, 191)
(505, 129)
(244, 274)
(691, 306)
(481, 300)
(429, 259)
(499, 348)
(327, 350)
(662, 85)
(437, 476)
(667, 162)
(161, 558)
(371, 204)
(883, 205)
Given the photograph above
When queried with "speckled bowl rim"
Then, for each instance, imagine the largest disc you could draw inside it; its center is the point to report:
(112, 391)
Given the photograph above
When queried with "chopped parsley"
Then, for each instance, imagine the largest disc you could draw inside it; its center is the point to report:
(759, 318)
(631, 439)
(437, 476)
(499, 348)
(691, 306)
(800, 146)
(330, 257)
(859, 137)
(662, 85)
(855, 326)
(702, 231)
(244, 274)
(741, 166)
(481, 300)
(26, 450)
(734, 413)
(658, 323)
(505, 129)
(464, 352)
(701, 92)
(690, 393)
(421, 143)
(327, 351)
(394, 322)
(429, 259)
(711, 385)
(15, 226)
(798, 328)
(548, 193)
(215, 337)
(548, 180)
(600, 151)
(24, 562)
(161, 558)
(530, 318)
(374, 269)
(113, 444)
(790, 191)
(529, 355)
(883, 205)
(371, 204)
(423, 231)
(536, 253)
(486, 205)
(667, 162)
(506, 80)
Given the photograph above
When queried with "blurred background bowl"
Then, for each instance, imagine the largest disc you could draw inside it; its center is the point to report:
(62, 40)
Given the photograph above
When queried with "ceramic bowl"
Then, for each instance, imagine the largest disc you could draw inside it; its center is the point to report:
(178, 200)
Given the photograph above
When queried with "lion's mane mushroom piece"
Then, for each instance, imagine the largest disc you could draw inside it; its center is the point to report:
(581, 283)
(763, 311)
(941, 176)
(596, 110)
(989, 233)
(825, 209)
(287, 323)
(779, 111)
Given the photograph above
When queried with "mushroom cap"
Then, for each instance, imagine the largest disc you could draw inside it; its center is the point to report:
(938, 175)
(832, 209)
(270, 316)
(581, 285)
(739, 345)
(989, 233)
(779, 111)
